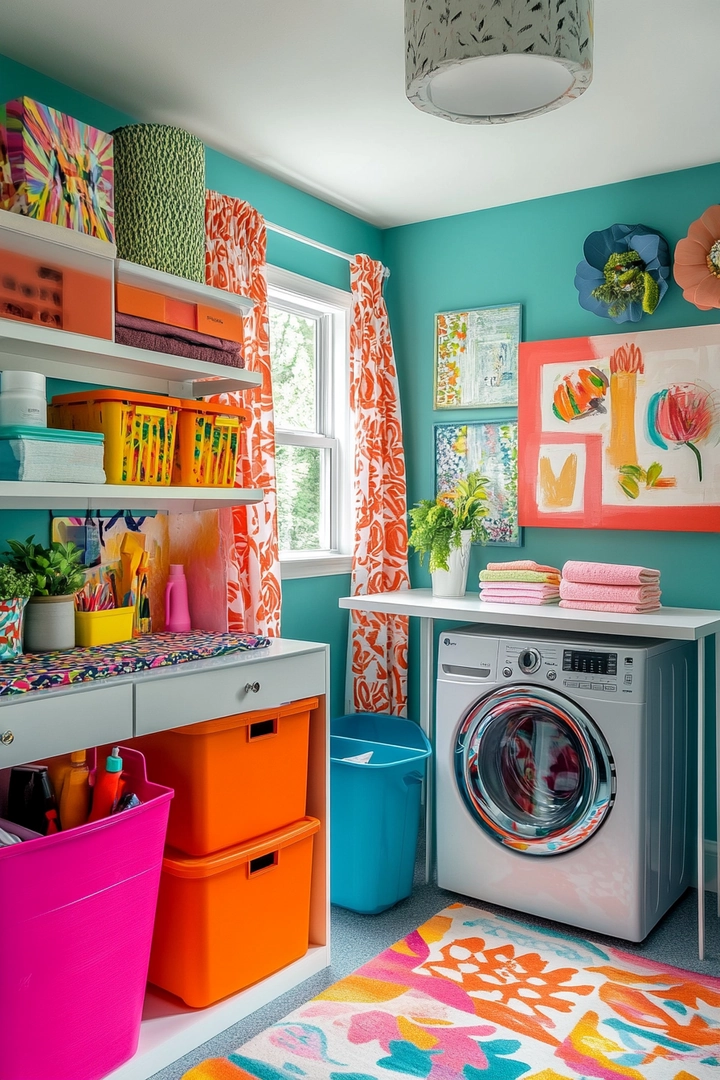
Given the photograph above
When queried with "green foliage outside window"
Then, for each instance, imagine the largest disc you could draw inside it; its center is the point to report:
(292, 349)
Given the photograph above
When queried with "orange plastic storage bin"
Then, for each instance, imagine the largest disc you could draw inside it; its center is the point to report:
(139, 431)
(227, 920)
(208, 442)
(234, 778)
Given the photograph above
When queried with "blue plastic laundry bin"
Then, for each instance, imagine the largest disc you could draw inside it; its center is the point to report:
(374, 809)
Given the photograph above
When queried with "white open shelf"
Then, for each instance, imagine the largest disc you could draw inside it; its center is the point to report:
(23, 495)
(61, 355)
(192, 292)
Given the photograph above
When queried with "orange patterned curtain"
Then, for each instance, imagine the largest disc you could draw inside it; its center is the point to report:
(235, 244)
(378, 655)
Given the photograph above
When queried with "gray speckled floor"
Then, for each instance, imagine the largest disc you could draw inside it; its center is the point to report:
(357, 938)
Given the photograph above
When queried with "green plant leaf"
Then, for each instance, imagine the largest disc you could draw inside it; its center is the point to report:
(436, 525)
(55, 570)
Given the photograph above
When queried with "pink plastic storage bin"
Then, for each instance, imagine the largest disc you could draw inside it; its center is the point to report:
(76, 921)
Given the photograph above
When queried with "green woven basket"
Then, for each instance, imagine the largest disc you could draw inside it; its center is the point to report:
(160, 199)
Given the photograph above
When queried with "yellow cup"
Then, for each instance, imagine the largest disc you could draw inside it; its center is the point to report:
(103, 627)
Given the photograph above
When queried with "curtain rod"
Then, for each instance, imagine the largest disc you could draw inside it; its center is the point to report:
(315, 244)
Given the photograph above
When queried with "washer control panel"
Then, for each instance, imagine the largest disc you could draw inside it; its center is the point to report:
(572, 668)
(601, 669)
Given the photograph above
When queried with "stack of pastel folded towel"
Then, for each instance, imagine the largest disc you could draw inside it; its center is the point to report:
(519, 582)
(630, 590)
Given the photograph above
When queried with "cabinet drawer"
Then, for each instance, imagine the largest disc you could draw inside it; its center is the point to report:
(188, 699)
(42, 725)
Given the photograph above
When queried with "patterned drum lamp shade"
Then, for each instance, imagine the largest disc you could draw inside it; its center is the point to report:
(493, 61)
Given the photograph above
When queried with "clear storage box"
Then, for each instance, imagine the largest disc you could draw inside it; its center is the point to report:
(53, 277)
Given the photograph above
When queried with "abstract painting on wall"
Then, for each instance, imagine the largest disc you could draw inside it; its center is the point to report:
(56, 169)
(476, 357)
(490, 447)
(622, 431)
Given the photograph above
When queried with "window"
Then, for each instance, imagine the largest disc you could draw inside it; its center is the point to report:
(309, 327)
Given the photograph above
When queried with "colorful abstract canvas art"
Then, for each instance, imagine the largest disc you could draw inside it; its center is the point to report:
(476, 357)
(622, 431)
(56, 169)
(490, 447)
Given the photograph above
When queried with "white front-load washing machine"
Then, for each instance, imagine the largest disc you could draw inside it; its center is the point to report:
(562, 774)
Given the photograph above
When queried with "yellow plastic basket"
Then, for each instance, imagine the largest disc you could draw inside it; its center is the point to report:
(139, 431)
(208, 443)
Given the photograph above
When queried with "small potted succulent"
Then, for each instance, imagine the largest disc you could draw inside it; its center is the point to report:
(445, 527)
(15, 589)
(56, 575)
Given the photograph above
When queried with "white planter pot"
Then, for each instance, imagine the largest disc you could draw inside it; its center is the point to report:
(49, 623)
(452, 582)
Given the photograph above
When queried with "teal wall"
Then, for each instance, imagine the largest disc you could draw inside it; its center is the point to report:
(310, 609)
(527, 253)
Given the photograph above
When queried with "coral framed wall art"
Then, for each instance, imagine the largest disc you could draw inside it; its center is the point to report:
(622, 431)
(490, 446)
(476, 357)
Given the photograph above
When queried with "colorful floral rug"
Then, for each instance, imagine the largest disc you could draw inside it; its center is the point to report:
(475, 996)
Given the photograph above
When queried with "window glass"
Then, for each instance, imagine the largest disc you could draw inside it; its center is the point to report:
(293, 348)
(299, 488)
(308, 326)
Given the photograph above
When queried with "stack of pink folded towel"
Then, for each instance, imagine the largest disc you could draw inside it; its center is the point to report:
(630, 590)
(519, 582)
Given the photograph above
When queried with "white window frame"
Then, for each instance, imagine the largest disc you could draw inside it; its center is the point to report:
(332, 306)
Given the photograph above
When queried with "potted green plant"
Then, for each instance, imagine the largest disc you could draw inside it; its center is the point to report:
(15, 589)
(445, 527)
(56, 574)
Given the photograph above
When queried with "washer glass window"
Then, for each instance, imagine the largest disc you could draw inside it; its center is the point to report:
(534, 770)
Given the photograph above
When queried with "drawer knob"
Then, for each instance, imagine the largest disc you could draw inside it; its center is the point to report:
(6, 738)
(252, 687)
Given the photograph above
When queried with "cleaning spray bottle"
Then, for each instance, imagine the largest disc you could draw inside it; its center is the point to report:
(107, 786)
(75, 793)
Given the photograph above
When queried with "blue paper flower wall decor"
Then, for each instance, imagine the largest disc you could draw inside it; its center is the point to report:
(624, 273)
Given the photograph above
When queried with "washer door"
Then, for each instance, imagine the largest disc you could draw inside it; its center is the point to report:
(534, 770)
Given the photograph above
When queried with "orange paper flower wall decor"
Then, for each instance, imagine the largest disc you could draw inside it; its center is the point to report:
(697, 261)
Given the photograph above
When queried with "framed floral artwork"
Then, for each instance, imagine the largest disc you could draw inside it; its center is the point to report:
(622, 431)
(476, 357)
(490, 446)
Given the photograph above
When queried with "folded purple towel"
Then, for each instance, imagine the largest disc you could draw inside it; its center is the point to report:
(135, 322)
(141, 339)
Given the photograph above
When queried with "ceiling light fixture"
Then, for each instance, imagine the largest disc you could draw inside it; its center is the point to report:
(493, 61)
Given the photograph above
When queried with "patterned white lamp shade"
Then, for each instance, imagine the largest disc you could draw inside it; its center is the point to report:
(493, 61)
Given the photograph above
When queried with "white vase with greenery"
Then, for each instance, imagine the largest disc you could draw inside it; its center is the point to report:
(444, 529)
(56, 576)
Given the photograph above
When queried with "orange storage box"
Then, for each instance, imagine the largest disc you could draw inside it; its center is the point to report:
(139, 431)
(147, 304)
(208, 443)
(227, 920)
(234, 778)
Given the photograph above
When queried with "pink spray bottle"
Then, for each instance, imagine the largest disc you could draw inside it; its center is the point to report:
(177, 612)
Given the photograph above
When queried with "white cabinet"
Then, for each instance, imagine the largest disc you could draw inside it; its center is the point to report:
(262, 682)
(45, 723)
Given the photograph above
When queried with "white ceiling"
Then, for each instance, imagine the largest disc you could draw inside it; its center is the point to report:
(312, 91)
